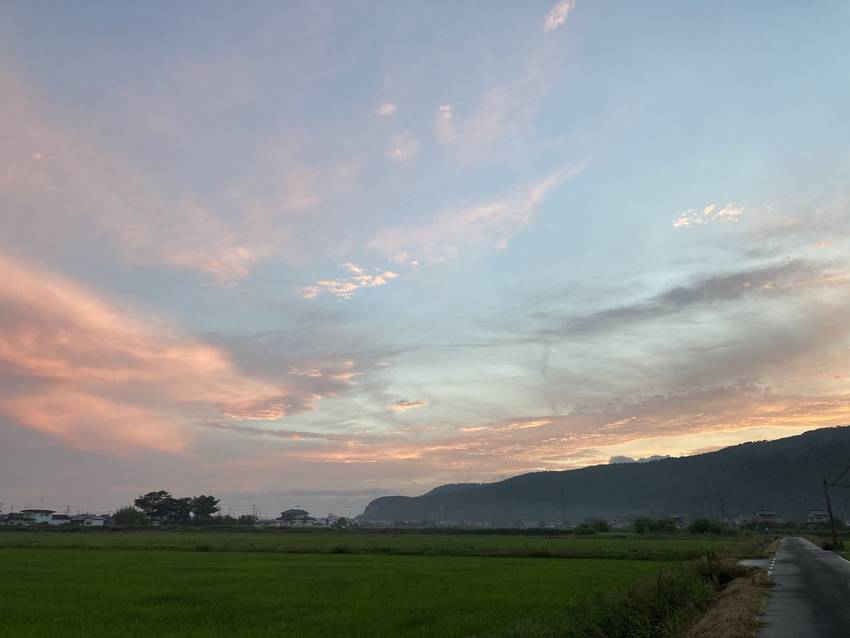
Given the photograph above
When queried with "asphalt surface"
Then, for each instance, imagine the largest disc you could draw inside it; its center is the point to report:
(811, 593)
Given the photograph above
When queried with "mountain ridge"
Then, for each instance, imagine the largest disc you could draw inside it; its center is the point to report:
(783, 474)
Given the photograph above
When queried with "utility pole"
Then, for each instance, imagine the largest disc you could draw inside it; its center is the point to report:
(831, 518)
(562, 507)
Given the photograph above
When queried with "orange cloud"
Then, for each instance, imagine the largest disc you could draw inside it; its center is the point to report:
(671, 424)
(404, 406)
(98, 377)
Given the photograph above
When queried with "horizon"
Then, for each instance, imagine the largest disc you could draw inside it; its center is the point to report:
(313, 254)
(352, 503)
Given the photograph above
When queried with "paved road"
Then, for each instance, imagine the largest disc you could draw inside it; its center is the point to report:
(811, 593)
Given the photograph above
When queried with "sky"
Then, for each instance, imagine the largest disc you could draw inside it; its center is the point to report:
(310, 253)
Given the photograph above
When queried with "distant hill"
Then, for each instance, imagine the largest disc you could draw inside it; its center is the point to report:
(784, 475)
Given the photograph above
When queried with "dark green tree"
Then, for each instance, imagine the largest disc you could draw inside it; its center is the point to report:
(180, 510)
(157, 506)
(204, 507)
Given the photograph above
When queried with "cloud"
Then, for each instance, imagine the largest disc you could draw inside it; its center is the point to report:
(292, 435)
(766, 281)
(489, 223)
(687, 420)
(62, 189)
(345, 288)
(502, 112)
(558, 15)
(96, 376)
(614, 460)
(445, 123)
(404, 406)
(731, 212)
(386, 110)
(403, 147)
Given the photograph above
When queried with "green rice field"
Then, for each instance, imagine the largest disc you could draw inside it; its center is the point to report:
(376, 542)
(318, 583)
(169, 593)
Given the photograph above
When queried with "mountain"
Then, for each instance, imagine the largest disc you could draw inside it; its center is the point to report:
(785, 475)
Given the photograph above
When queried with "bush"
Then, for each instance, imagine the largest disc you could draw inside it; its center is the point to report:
(706, 526)
(661, 607)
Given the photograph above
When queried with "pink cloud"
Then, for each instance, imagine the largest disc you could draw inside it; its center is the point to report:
(97, 376)
(64, 189)
(404, 406)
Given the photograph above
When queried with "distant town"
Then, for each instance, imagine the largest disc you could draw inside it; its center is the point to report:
(137, 516)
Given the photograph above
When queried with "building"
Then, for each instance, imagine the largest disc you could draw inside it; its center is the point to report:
(60, 519)
(38, 516)
(818, 516)
(15, 519)
(764, 516)
(88, 520)
(295, 518)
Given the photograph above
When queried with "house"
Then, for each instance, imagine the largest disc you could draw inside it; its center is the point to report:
(295, 518)
(818, 516)
(38, 516)
(764, 516)
(60, 519)
(88, 520)
(15, 519)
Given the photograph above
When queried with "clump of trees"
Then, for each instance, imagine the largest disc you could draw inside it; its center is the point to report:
(162, 507)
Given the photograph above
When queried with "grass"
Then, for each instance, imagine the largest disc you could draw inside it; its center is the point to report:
(190, 582)
(48, 592)
(613, 546)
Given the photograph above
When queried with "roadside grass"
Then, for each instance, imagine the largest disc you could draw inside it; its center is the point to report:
(50, 592)
(669, 604)
(601, 546)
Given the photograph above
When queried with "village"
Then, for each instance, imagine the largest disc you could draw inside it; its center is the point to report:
(295, 517)
(765, 518)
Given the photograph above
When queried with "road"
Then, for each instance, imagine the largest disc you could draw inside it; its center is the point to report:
(811, 593)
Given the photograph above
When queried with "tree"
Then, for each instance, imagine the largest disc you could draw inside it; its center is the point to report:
(646, 525)
(162, 507)
(129, 516)
(705, 526)
(247, 519)
(600, 525)
(204, 507)
(180, 510)
(157, 506)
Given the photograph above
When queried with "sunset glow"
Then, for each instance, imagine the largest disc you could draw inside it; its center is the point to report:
(355, 249)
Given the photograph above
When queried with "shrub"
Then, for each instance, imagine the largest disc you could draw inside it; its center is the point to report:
(705, 526)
